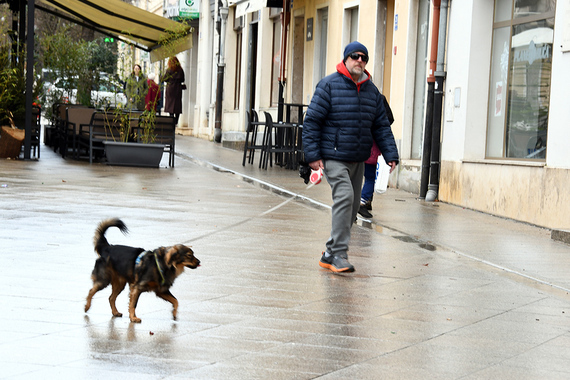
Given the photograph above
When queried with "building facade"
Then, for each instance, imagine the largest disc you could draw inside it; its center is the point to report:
(504, 137)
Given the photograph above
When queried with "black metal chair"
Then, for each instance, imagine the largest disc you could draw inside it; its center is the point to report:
(165, 133)
(76, 116)
(251, 144)
(102, 127)
(294, 113)
(279, 139)
(36, 130)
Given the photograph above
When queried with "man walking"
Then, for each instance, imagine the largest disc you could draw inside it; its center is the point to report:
(345, 115)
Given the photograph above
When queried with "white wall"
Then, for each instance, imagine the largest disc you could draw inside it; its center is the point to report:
(558, 141)
(204, 68)
(468, 62)
(525, 190)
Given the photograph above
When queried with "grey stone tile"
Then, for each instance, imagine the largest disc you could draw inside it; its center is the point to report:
(438, 292)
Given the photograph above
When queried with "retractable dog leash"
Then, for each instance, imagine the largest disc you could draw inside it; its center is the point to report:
(249, 179)
(293, 196)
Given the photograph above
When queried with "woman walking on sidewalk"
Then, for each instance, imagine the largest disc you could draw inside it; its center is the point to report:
(174, 78)
(136, 89)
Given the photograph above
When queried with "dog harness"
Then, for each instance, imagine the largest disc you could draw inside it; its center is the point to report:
(140, 257)
(143, 254)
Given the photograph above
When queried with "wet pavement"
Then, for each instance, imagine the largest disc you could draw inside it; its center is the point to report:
(439, 292)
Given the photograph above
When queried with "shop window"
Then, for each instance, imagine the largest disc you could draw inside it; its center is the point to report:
(521, 64)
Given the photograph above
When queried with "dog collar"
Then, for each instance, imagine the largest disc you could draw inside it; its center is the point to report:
(159, 268)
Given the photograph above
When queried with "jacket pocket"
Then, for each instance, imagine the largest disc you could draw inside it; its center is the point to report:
(336, 140)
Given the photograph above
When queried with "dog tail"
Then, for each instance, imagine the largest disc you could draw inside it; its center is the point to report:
(99, 240)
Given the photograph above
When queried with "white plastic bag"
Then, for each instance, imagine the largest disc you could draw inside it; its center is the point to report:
(382, 176)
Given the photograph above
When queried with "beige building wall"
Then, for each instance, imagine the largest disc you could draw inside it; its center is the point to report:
(232, 119)
(264, 61)
(396, 93)
(534, 194)
(337, 40)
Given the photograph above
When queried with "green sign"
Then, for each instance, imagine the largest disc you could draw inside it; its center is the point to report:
(189, 9)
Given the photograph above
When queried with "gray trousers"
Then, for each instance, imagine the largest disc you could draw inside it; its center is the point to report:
(345, 180)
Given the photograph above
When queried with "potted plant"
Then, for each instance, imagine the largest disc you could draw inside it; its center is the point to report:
(135, 144)
(137, 136)
(13, 101)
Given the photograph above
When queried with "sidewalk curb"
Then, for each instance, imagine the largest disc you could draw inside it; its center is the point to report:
(369, 224)
(561, 236)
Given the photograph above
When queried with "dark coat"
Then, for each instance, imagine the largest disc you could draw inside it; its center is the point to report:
(136, 91)
(343, 120)
(173, 92)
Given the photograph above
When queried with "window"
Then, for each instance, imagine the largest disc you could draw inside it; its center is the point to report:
(350, 29)
(520, 79)
(320, 67)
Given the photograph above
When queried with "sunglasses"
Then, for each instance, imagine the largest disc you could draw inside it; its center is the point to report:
(355, 56)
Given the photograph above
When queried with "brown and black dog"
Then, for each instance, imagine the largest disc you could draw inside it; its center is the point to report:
(143, 270)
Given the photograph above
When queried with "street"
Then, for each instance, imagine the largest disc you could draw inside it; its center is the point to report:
(463, 303)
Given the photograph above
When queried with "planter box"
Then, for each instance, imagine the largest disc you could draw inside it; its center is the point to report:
(133, 154)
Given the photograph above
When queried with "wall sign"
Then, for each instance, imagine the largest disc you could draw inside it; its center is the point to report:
(183, 9)
(310, 29)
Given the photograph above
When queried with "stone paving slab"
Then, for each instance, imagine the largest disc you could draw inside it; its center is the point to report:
(439, 291)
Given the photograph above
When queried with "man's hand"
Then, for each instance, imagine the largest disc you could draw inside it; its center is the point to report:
(316, 165)
(392, 165)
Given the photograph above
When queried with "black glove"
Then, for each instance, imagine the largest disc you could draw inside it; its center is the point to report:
(305, 171)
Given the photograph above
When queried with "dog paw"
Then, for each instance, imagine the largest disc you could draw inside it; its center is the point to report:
(136, 320)
(118, 315)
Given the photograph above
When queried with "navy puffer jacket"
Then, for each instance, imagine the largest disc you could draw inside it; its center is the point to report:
(341, 121)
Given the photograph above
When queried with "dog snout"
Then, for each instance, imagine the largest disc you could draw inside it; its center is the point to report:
(193, 263)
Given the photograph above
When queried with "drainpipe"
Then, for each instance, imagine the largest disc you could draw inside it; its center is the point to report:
(433, 187)
(426, 155)
(223, 12)
(29, 79)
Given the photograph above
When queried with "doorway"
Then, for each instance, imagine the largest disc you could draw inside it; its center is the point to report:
(252, 66)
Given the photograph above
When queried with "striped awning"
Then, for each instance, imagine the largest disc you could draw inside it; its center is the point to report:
(120, 19)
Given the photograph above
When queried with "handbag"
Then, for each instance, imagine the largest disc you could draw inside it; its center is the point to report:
(382, 176)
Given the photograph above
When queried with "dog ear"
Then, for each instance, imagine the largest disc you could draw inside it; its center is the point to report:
(168, 256)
